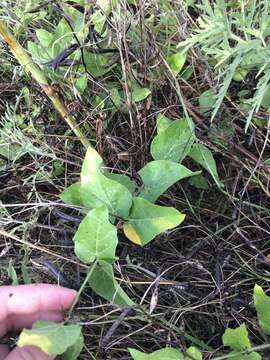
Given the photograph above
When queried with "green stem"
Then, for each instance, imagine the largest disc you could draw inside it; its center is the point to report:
(244, 352)
(38, 75)
(90, 272)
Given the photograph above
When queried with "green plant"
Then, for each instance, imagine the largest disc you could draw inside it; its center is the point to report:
(113, 201)
(54, 339)
(236, 339)
(67, 341)
(234, 36)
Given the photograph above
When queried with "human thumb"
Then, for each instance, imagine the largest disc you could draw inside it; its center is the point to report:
(28, 353)
(4, 350)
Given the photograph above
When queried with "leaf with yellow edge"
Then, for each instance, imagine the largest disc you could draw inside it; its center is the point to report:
(131, 234)
(147, 220)
(98, 190)
(51, 338)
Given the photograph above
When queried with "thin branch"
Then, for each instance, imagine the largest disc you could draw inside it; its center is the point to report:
(38, 75)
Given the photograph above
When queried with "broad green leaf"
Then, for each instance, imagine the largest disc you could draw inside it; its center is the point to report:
(103, 282)
(38, 53)
(98, 190)
(81, 83)
(147, 220)
(44, 37)
(162, 123)
(73, 351)
(203, 156)
(194, 353)
(115, 97)
(11, 151)
(207, 101)
(159, 175)
(162, 354)
(62, 38)
(72, 195)
(187, 73)
(174, 143)
(50, 337)
(138, 94)
(237, 339)
(106, 5)
(99, 20)
(122, 179)
(78, 22)
(176, 62)
(97, 64)
(199, 181)
(262, 305)
(266, 99)
(96, 237)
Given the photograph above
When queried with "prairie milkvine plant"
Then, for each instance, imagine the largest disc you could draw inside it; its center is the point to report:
(67, 340)
(113, 201)
(78, 43)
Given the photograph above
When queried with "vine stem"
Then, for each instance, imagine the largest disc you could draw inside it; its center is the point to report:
(39, 76)
(244, 352)
(90, 272)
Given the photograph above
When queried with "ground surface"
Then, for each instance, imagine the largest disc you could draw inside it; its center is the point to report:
(207, 267)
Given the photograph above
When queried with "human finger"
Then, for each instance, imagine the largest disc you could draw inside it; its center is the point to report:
(4, 350)
(28, 302)
(28, 353)
(18, 322)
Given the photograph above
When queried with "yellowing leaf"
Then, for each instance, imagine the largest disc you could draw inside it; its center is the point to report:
(51, 338)
(96, 237)
(98, 190)
(147, 220)
(131, 234)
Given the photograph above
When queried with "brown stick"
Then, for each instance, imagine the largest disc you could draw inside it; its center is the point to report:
(38, 75)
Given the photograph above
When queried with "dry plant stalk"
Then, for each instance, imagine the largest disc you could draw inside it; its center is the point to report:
(38, 75)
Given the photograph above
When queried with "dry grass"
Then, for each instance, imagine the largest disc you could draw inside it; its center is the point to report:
(199, 277)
